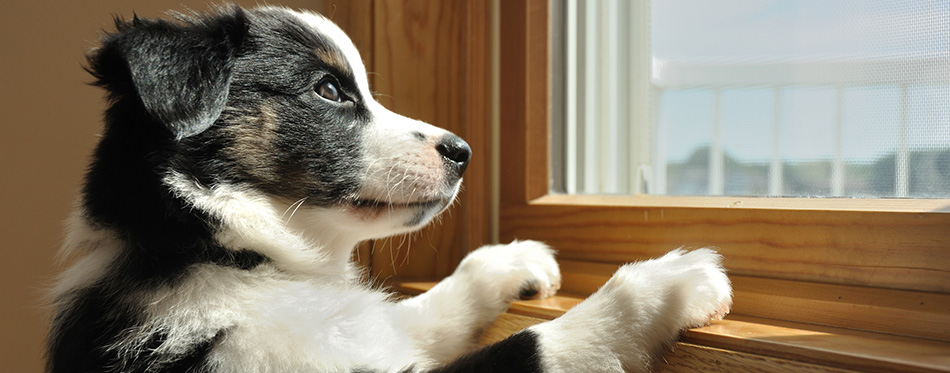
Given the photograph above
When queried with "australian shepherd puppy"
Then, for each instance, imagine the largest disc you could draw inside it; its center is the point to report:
(243, 157)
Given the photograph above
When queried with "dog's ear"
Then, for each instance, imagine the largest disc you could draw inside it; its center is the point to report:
(180, 71)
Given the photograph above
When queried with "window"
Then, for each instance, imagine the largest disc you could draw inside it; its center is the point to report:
(822, 261)
(880, 265)
(805, 98)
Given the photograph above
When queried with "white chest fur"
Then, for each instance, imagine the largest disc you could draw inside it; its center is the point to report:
(271, 322)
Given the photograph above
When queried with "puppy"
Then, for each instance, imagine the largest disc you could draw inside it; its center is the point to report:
(243, 157)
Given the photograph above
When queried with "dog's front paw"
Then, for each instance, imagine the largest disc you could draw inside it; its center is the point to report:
(695, 281)
(628, 323)
(707, 290)
(519, 270)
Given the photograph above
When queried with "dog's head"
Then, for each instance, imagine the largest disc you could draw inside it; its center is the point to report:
(268, 105)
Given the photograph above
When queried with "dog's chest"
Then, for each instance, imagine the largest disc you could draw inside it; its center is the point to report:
(288, 325)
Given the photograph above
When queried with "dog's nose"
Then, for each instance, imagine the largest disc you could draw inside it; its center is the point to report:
(456, 152)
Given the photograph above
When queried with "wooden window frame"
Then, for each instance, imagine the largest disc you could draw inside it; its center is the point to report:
(881, 265)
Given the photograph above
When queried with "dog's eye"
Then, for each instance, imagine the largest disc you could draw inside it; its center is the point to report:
(328, 90)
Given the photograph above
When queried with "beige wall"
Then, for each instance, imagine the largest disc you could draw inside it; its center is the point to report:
(50, 118)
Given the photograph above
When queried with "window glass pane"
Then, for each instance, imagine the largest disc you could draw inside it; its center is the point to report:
(753, 97)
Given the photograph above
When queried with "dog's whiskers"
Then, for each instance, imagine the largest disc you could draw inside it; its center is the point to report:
(295, 206)
(405, 259)
(392, 256)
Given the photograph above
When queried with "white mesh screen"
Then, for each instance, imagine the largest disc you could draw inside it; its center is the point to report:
(759, 98)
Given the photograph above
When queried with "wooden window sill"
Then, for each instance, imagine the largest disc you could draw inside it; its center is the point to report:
(744, 343)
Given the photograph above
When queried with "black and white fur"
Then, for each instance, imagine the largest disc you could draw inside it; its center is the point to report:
(243, 157)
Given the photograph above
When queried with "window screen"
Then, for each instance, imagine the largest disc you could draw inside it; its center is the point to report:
(806, 98)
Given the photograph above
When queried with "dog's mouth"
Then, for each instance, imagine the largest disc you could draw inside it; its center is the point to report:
(377, 204)
(404, 209)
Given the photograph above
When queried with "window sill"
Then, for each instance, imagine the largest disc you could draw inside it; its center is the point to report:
(745, 343)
